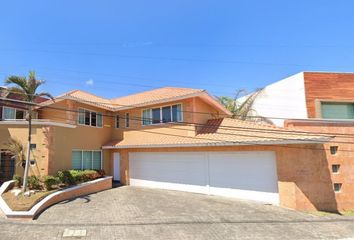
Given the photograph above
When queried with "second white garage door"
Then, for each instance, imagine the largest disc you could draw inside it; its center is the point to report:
(246, 175)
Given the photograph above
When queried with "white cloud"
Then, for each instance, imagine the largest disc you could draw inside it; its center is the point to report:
(89, 82)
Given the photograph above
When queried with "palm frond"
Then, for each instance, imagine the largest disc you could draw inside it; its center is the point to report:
(17, 80)
(28, 86)
(45, 94)
(243, 109)
(15, 148)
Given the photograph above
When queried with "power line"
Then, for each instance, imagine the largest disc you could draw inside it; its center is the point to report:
(191, 112)
(134, 118)
(344, 150)
(252, 143)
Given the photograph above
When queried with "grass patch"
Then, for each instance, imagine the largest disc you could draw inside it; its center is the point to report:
(322, 213)
(24, 203)
(348, 213)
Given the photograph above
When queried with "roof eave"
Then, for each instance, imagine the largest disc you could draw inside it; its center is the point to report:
(217, 144)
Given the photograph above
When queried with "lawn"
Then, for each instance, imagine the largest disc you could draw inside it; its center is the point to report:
(24, 203)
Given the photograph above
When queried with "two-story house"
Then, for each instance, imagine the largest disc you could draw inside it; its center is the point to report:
(179, 139)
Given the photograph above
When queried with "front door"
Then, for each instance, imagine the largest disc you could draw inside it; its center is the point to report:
(116, 166)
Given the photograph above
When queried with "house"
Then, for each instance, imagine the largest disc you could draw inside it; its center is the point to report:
(319, 102)
(179, 139)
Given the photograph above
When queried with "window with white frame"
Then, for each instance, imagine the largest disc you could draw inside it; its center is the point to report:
(165, 114)
(86, 159)
(10, 113)
(90, 118)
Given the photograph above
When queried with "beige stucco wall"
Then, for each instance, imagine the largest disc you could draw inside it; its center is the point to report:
(39, 137)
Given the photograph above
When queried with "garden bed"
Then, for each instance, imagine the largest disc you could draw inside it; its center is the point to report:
(50, 190)
(23, 203)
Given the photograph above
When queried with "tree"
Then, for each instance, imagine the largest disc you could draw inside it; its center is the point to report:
(27, 88)
(241, 106)
(15, 148)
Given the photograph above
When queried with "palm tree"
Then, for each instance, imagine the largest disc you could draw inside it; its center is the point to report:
(27, 88)
(16, 148)
(242, 107)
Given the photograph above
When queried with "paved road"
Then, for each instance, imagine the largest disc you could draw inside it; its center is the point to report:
(141, 213)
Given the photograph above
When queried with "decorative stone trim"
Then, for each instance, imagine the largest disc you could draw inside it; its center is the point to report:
(58, 196)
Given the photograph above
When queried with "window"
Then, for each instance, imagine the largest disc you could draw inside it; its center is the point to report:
(164, 114)
(336, 110)
(10, 113)
(93, 119)
(20, 114)
(84, 159)
(117, 121)
(333, 150)
(335, 168)
(337, 187)
(81, 116)
(89, 118)
(147, 117)
(177, 113)
(127, 120)
(156, 115)
(99, 120)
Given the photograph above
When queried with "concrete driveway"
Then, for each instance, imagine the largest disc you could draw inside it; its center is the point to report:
(141, 213)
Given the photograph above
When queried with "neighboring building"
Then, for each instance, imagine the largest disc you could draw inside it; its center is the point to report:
(175, 138)
(308, 95)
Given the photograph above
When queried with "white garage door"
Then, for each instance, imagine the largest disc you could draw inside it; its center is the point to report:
(246, 175)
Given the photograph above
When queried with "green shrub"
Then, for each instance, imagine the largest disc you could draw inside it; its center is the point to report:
(101, 173)
(34, 183)
(77, 176)
(71, 177)
(18, 180)
(66, 177)
(50, 181)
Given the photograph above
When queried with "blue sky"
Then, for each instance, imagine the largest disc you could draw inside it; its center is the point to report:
(115, 48)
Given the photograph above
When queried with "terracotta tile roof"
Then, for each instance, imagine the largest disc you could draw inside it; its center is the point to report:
(155, 95)
(144, 98)
(223, 132)
(87, 97)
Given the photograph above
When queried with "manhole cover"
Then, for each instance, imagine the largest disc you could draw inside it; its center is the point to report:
(74, 233)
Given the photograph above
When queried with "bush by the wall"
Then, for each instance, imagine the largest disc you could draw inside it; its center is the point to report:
(18, 180)
(66, 177)
(101, 172)
(50, 181)
(34, 183)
